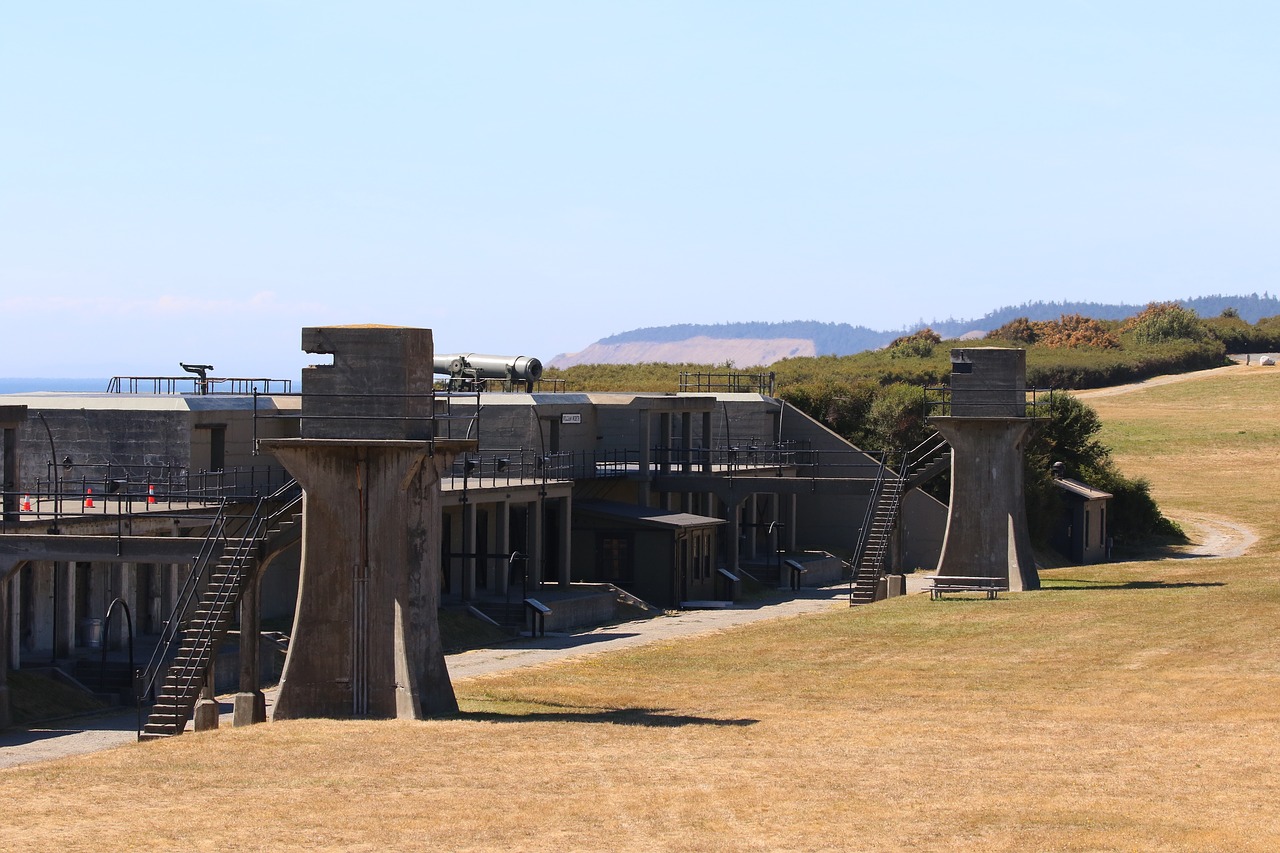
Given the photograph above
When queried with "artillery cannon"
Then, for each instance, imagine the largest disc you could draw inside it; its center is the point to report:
(472, 371)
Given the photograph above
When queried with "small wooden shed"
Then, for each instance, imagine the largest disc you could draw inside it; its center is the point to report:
(660, 556)
(1082, 533)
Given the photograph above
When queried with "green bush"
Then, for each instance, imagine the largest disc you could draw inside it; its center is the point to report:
(1069, 434)
(1161, 322)
(917, 345)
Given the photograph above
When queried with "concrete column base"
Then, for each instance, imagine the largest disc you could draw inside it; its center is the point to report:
(205, 717)
(249, 708)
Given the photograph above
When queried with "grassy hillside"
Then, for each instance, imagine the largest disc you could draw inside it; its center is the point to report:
(1130, 706)
(1047, 367)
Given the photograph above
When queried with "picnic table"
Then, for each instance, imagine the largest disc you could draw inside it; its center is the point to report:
(958, 583)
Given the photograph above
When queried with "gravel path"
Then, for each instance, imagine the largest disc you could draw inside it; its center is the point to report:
(1117, 390)
(1215, 536)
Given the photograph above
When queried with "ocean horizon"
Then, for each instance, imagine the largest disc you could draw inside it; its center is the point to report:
(24, 385)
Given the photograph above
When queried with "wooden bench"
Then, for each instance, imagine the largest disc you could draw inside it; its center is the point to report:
(954, 583)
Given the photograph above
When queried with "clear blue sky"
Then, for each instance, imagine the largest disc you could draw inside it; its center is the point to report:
(183, 181)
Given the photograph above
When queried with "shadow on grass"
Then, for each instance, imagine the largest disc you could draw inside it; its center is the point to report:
(653, 717)
(1077, 583)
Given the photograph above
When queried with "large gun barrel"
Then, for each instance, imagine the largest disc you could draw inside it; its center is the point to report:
(470, 365)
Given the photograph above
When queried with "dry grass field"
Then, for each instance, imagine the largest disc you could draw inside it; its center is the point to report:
(1129, 706)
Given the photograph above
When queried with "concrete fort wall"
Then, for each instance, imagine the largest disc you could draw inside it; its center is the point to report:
(144, 432)
(93, 438)
(921, 530)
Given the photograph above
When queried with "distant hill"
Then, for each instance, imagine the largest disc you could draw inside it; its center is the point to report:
(763, 343)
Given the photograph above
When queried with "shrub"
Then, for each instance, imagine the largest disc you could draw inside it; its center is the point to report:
(1161, 322)
(896, 420)
(1075, 330)
(916, 345)
(1019, 331)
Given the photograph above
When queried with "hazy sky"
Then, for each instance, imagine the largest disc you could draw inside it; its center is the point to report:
(197, 182)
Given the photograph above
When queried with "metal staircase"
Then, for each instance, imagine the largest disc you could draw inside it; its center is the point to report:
(926, 460)
(206, 606)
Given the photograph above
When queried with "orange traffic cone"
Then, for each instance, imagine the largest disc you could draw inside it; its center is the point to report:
(88, 498)
(151, 494)
(26, 503)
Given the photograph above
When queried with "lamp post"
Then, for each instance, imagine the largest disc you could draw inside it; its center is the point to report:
(53, 470)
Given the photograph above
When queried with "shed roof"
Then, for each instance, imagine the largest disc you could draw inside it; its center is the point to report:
(645, 515)
(1080, 490)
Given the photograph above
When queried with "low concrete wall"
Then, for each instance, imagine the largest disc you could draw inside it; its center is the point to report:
(820, 569)
(581, 611)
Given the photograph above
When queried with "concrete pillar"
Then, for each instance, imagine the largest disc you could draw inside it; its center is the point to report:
(11, 502)
(154, 604)
(13, 618)
(792, 517)
(124, 585)
(250, 705)
(664, 431)
(987, 534)
(645, 441)
(538, 522)
(469, 549)
(686, 441)
(453, 564)
(205, 716)
(38, 600)
(733, 513)
(706, 443)
(366, 640)
(6, 718)
(566, 541)
(773, 537)
(64, 606)
(502, 545)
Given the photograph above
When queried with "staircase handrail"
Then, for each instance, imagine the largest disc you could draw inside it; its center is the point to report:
(172, 626)
(887, 478)
(865, 532)
(926, 448)
(244, 545)
(288, 496)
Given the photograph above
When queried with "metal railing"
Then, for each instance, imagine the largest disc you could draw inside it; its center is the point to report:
(428, 416)
(197, 385)
(499, 468)
(501, 386)
(987, 402)
(184, 603)
(119, 492)
(729, 383)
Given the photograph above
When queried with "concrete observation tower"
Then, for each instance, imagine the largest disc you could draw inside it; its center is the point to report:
(366, 639)
(988, 427)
